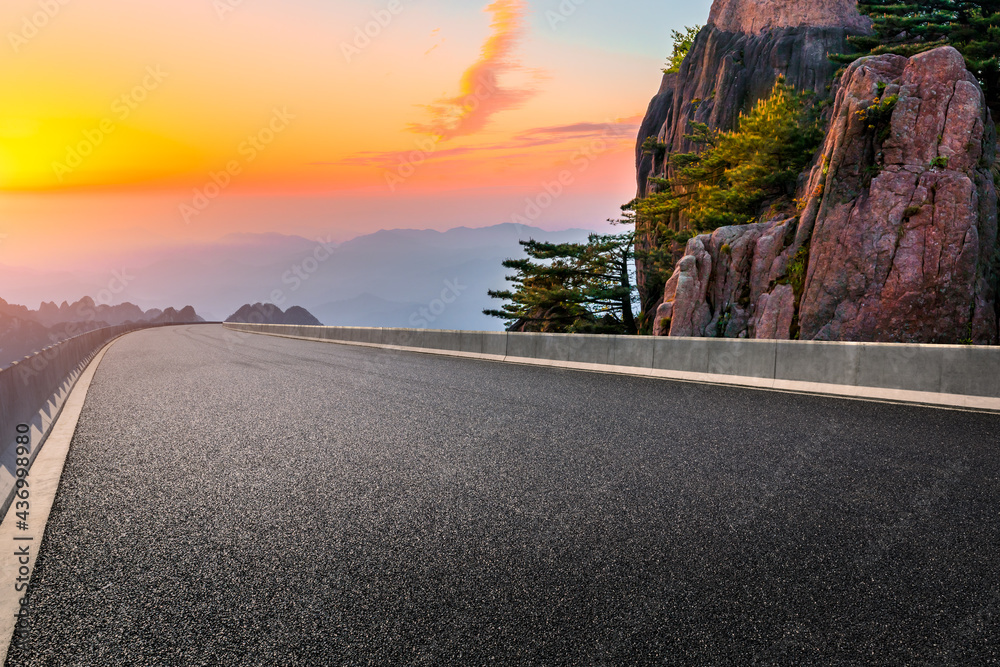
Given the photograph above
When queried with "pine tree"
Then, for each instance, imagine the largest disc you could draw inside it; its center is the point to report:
(909, 28)
(737, 173)
(683, 41)
(572, 287)
(732, 178)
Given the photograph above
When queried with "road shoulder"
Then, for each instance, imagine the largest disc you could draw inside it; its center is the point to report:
(46, 471)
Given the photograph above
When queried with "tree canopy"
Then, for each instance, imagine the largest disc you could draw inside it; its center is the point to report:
(735, 174)
(682, 44)
(907, 28)
(571, 287)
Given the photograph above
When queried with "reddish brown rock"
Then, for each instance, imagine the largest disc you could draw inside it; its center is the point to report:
(685, 300)
(753, 16)
(721, 276)
(904, 233)
(777, 313)
(897, 240)
(733, 63)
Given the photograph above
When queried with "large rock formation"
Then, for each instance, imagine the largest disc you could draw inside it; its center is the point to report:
(754, 16)
(185, 315)
(268, 313)
(897, 239)
(727, 277)
(904, 237)
(733, 63)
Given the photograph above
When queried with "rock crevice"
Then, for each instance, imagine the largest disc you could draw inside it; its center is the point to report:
(897, 239)
(734, 62)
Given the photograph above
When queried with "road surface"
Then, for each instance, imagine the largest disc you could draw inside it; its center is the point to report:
(247, 500)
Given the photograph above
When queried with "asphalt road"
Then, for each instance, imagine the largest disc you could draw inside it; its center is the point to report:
(232, 499)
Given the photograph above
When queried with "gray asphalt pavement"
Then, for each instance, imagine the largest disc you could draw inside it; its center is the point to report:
(245, 500)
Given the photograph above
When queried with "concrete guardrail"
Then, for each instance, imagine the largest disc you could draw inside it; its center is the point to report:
(961, 376)
(33, 391)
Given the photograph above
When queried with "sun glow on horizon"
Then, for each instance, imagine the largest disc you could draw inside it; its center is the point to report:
(156, 104)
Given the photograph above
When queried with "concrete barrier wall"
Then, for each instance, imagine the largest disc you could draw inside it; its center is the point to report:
(956, 370)
(33, 390)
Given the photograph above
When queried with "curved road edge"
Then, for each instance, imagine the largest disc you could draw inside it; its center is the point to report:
(929, 399)
(17, 546)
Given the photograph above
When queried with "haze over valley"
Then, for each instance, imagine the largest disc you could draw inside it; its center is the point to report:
(392, 278)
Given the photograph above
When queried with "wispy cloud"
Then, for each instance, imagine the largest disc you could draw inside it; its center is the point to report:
(435, 34)
(622, 130)
(386, 159)
(481, 95)
(559, 133)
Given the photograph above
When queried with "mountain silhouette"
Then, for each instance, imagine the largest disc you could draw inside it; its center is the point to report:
(266, 313)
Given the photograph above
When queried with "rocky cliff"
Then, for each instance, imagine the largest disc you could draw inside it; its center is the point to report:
(268, 313)
(733, 63)
(755, 16)
(897, 237)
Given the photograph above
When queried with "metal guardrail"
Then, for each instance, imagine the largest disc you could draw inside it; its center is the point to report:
(33, 390)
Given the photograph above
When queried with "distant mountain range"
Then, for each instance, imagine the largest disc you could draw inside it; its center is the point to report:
(24, 331)
(394, 278)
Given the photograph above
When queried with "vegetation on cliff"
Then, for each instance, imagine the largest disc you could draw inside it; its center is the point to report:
(909, 28)
(736, 175)
(682, 44)
(571, 287)
(726, 172)
(733, 178)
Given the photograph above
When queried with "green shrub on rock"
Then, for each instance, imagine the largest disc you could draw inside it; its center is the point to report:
(908, 28)
(736, 174)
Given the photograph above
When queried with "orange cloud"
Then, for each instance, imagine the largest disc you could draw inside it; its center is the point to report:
(611, 134)
(481, 94)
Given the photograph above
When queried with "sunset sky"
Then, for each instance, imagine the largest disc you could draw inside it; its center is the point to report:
(126, 124)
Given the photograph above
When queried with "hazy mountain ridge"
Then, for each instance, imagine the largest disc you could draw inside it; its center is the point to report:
(380, 279)
(24, 331)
